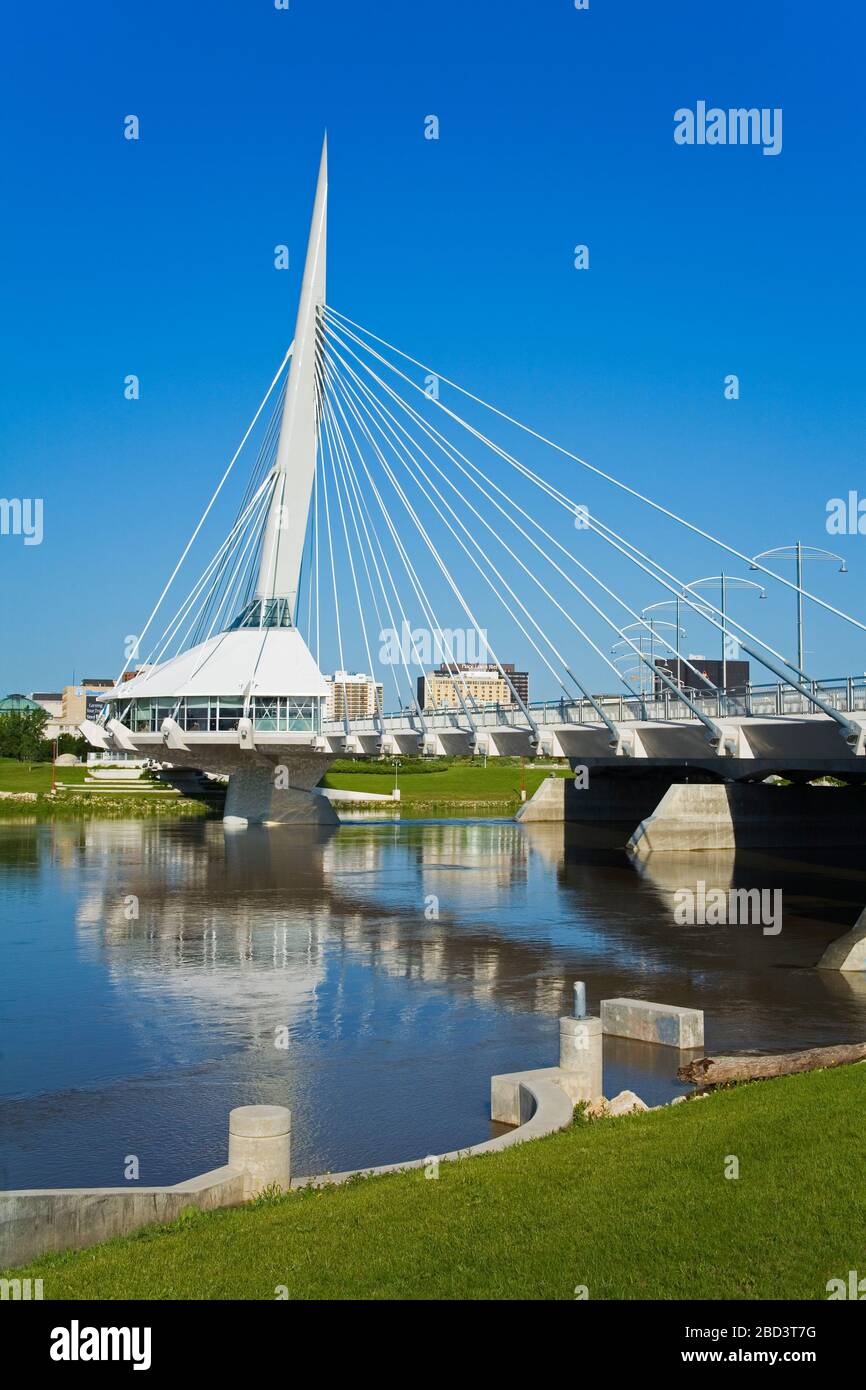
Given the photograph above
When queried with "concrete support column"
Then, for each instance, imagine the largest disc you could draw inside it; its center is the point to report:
(849, 951)
(580, 1054)
(695, 816)
(260, 1146)
(279, 794)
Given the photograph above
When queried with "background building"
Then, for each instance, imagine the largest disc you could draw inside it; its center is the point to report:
(351, 695)
(79, 701)
(710, 675)
(485, 684)
(18, 704)
(51, 702)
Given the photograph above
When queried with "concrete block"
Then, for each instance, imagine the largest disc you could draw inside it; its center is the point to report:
(666, 1024)
(260, 1145)
(514, 1096)
(511, 1102)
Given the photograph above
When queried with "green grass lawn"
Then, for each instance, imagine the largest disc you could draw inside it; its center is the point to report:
(83, 800)
(632, 1208)
(35, 777)
(461, 781)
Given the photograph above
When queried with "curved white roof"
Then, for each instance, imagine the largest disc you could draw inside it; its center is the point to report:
(273, 661)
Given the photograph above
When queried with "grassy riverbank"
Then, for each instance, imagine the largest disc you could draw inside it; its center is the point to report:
(76, 799)
(632, 1208)
(17, 776)
(446, 786)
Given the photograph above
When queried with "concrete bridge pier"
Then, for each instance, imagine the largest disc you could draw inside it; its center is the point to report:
(751, 815)
(607, 798)
(848, 953)
(653, 813)
(270, 792)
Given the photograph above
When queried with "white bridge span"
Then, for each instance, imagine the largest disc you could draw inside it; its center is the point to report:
(363, 516)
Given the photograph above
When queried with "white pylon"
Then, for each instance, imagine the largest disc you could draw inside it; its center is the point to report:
(295, 466)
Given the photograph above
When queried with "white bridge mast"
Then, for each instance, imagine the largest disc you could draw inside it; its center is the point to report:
(295, 466)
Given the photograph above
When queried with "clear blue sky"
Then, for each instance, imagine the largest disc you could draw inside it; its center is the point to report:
(156, 258)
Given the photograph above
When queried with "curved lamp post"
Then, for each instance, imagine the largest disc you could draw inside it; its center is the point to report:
(800, 553)
(676, 604)
(726, 582)
(633, 649)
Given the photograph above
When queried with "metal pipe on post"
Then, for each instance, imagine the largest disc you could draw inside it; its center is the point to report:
(579, 999)
(580, 1049)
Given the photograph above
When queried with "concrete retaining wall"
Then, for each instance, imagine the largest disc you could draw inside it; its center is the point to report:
(540, 1107)
(537, 1103)
(35, 1221)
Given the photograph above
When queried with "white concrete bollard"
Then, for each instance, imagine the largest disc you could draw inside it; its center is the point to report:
(260, 1145)
(580, 1054)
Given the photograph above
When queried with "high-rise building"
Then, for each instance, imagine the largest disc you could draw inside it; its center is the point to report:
(481, 684)
(352, 695)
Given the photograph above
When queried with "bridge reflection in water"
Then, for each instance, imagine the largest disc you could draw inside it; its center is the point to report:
(402, 965)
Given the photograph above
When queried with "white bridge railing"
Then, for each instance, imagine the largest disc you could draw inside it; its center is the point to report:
(844, 693)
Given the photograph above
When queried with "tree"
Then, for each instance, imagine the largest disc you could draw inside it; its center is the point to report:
(73, 743)
(22, 735)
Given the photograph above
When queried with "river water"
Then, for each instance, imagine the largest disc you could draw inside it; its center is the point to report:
(372, 978)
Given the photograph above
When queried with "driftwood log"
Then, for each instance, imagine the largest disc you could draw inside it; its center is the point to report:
(717, 1071)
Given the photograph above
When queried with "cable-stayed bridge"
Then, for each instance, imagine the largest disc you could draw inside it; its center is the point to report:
(378, 504)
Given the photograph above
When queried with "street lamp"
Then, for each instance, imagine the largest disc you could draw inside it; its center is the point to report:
(799, 553)
(679, 631)
(635, 649)
(726, 582)
(632, 675)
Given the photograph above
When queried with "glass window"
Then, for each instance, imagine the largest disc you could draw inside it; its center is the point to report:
(264, 714)
(141, 717)
(196, 716)
(230, 711)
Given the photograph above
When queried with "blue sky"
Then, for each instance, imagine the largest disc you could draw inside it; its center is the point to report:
(155, 257)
